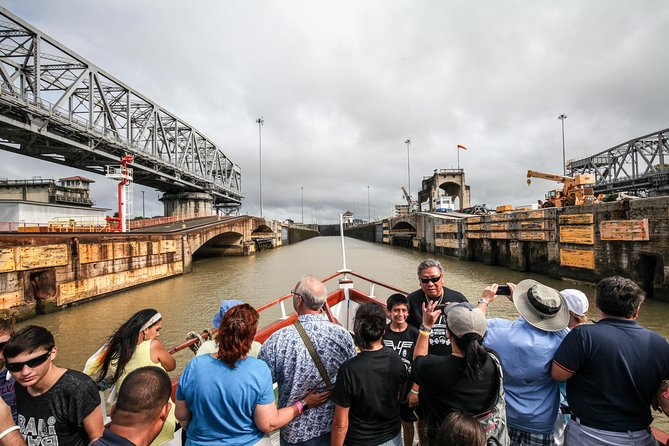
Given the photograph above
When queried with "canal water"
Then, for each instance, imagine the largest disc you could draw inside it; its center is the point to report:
(188, 302)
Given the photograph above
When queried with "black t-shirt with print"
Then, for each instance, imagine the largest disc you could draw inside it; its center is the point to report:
(56, 416)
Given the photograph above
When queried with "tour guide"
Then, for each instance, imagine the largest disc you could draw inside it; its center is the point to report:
(431, 280)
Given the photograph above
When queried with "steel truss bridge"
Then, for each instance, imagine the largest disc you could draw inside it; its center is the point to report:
(57, 106)
(639, 165)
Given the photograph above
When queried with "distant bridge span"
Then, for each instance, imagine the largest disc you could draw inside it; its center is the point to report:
(640, 164)
(59, 107)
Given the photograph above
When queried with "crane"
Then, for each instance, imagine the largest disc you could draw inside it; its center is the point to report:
(407, 197)
(576, 190)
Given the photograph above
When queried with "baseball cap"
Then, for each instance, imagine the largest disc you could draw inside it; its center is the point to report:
(225, 306)
(576, 300)
(463, 318)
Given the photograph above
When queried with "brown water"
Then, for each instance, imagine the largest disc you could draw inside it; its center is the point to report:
(188, 302)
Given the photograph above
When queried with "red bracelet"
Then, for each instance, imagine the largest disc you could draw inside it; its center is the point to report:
(299, 406)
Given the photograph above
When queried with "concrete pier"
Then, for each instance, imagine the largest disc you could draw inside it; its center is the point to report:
(627, 238)
(44, 272)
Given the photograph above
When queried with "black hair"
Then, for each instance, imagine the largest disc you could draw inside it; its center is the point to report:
(6, 326)
(122, 345)
(369, 324)
(144, 392)
(471, 345)
(618, 297)
(28, 340)
(461, 428)
(397, 299)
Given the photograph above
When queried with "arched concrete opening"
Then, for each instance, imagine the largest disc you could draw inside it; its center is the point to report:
(444, 182)
(264, 237)
(228, 243)
(402, 234)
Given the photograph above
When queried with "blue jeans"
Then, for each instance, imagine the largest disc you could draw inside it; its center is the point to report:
(323, 440)
(397, 441)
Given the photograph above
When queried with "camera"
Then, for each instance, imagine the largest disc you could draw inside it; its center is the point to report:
(503, 290)
(440, 307)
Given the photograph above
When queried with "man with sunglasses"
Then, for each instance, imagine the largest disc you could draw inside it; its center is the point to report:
(55, 405)
(431, 280)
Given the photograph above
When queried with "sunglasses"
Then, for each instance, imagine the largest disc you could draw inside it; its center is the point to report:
(296, 294)
(430, 279)
(32, 363)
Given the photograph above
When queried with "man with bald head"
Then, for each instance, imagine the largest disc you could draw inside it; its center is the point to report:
(141, 410)
(294, 369)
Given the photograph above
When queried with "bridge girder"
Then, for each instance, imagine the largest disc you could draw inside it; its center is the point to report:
(59, 107)
(640, 164)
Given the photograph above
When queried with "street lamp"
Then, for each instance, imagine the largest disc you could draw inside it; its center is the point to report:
(408, 143)
(143, 214)
(302, 190)
(562, 117)
(260, 122)
(369, 209)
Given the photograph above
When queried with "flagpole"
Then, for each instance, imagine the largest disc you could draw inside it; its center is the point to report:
(458, 149)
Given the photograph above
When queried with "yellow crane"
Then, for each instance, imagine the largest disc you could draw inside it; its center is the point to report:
(576, 190)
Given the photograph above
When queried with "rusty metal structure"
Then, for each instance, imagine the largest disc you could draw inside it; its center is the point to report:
(638, 165)
(57, 106)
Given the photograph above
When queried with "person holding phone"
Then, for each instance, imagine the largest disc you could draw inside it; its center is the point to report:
(432, 289)
(526, 347)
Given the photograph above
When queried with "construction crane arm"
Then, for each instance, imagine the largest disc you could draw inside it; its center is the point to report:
(407, 197)
(547, 176)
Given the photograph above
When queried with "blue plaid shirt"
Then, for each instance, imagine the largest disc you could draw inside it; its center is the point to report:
(294, 370)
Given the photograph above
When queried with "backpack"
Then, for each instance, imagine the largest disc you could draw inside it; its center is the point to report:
(494, 420)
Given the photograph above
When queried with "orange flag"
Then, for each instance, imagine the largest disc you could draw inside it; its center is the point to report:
(462, 147)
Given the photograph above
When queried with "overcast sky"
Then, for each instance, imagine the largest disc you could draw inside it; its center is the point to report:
(341, 85)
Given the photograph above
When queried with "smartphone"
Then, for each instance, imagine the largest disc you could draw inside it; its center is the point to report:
(503, 290)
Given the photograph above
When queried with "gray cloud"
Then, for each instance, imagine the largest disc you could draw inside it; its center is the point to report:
(341, 86)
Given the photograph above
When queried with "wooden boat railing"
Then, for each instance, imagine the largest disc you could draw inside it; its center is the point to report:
(345, 290)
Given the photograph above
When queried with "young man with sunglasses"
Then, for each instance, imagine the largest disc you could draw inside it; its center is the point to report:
(431, 280)
(55, 405)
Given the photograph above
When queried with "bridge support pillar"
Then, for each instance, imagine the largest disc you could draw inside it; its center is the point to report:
(195, 204)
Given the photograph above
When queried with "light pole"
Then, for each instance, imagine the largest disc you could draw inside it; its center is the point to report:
(369, 209)
(562, 117)
(408, 143)
(260, 122)
(302, 190)
(143, 214)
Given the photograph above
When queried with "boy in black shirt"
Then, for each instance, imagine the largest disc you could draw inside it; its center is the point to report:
(55, 405)
(401, 337)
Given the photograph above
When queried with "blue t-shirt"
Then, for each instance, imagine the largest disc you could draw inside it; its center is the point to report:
(222, 400)
(7, 392)
(526, 354)
(618, 366)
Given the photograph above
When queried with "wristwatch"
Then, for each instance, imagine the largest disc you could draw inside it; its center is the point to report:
(304, 405)
(424, 328)
(483, 301)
